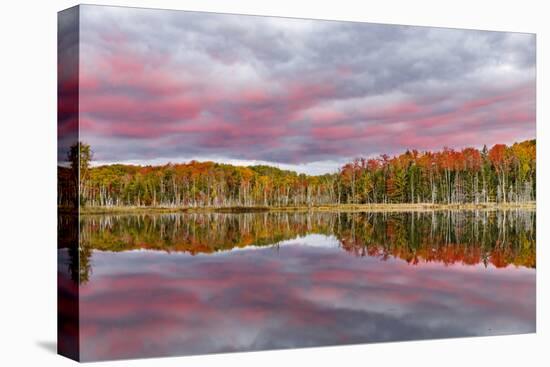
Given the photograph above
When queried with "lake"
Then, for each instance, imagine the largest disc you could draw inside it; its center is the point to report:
(181, 284)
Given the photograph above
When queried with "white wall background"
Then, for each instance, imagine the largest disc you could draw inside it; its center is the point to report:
(28, 181)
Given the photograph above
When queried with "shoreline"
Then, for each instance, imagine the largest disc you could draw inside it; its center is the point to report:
(374, 208)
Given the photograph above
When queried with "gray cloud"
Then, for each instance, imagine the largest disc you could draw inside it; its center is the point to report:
(295, 91)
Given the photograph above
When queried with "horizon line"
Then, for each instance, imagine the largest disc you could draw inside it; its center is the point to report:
(316, 168)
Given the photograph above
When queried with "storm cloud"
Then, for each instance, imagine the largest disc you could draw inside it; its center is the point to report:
(159, 86)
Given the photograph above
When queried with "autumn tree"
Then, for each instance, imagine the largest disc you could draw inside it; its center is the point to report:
(80, 156)
(501, 174)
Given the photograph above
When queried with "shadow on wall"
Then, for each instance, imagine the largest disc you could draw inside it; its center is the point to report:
(48, 345)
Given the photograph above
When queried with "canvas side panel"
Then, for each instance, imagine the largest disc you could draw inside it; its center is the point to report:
(67, 183)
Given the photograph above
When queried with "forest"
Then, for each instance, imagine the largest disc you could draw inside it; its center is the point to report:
(501, 174)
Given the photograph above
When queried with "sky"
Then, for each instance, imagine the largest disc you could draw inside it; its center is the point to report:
(159, 86)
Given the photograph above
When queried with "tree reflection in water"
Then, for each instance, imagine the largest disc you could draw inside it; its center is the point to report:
(500, 238)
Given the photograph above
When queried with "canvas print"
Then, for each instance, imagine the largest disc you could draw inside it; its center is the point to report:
(232, 183)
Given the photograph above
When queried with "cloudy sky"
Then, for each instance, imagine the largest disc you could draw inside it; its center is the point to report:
(159, 86)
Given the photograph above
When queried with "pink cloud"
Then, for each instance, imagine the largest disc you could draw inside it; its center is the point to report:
(334, 132)
(326, 116)
(394, 111)
(125, 94)
(255, 95)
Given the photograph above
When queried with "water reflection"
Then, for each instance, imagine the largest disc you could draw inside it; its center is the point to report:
(68, 286)
(204, 283)
(497, 237)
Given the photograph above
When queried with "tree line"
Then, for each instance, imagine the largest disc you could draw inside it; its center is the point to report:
(500, 174)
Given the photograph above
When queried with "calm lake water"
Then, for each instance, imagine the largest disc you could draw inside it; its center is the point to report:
(180, 284)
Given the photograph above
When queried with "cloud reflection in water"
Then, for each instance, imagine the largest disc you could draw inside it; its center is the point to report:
(304, 292)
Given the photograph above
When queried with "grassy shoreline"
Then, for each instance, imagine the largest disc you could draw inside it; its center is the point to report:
(410, 207)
